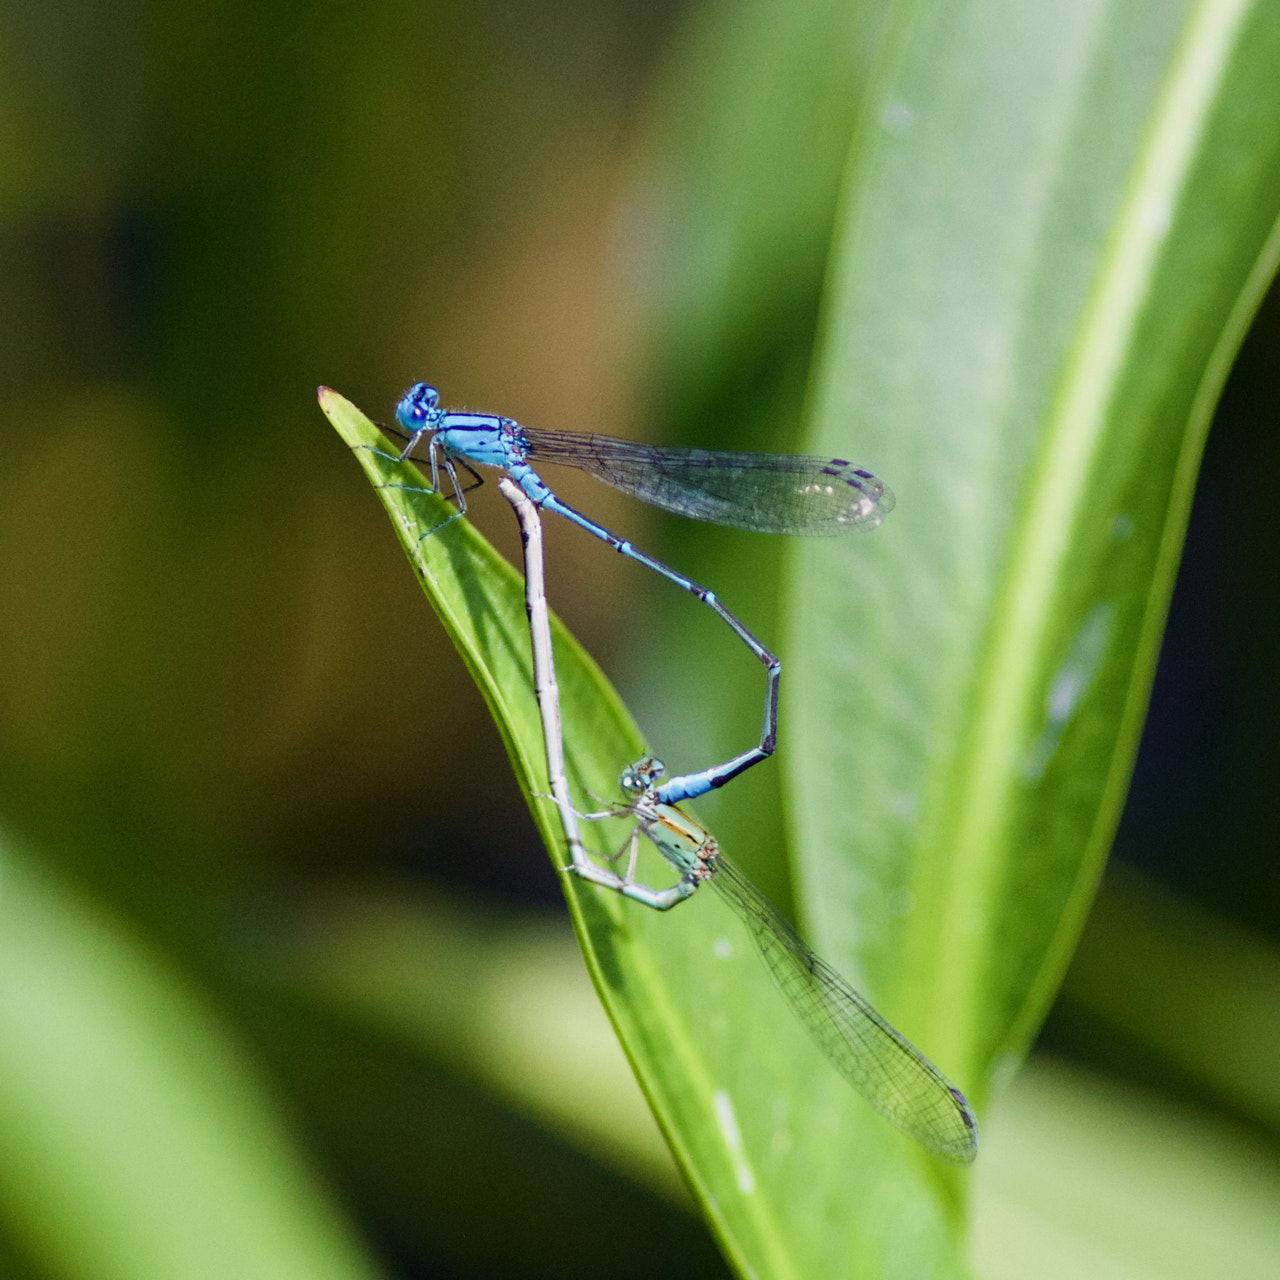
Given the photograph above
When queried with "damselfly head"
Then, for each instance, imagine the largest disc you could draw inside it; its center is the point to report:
(640, 777)
(419, 408)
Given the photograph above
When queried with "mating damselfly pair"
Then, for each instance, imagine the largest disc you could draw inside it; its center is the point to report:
(779, 493)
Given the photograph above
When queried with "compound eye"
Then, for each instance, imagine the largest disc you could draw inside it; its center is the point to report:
(417, 407)
(418, 404)
(648, 771)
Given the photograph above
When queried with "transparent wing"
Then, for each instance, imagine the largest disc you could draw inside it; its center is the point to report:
(886, 1068)
(763, 492)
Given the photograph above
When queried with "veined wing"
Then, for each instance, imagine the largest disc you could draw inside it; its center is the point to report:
(763, 492)
(881, 1064)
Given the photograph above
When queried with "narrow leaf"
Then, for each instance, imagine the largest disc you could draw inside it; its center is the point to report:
(796, 1174)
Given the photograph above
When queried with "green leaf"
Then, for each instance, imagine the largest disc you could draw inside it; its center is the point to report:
(1060, 221)
(133, 1139)
(797, 1176)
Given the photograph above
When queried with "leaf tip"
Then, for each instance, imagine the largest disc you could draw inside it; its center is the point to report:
(349, 422)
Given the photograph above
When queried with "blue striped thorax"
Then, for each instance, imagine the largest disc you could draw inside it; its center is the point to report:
(479, 437)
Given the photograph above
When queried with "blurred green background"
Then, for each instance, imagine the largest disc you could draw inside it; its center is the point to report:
(242, 770)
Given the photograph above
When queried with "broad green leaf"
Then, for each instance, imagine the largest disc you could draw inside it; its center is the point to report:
(1060, 220)
(797, 1176)
(134, 1141)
